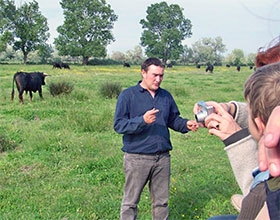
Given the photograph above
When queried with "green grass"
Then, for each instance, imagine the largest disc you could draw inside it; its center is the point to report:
(65, 161)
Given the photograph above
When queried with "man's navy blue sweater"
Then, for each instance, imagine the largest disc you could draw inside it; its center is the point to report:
(142, 138)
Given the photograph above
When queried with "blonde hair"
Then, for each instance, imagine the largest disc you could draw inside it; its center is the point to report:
(262, 91)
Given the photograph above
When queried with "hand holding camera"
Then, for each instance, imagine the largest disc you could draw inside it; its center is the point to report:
(221, 123)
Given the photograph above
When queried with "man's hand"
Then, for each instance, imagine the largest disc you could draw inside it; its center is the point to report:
(192, 125)
(150, 116)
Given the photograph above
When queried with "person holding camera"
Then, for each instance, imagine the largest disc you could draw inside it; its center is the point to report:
(241, 149)
(261, 92)
(144, 113)
(228, 125)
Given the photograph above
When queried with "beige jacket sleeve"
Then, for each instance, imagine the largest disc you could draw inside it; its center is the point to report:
(242, 151)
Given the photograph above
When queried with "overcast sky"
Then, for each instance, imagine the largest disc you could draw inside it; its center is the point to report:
(242, 24)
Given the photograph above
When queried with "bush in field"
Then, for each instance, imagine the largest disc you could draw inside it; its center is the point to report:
(6, 144)
(57, 88)
(110, 89)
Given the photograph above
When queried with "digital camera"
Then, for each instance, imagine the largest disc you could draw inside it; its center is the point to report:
(205, 110)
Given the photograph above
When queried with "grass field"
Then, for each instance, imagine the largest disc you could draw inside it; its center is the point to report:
(64, 160)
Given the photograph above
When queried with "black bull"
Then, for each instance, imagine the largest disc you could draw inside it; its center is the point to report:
(28, 82)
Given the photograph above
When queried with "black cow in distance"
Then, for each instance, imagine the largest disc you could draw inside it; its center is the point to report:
(125, 64)
(209, 68)
(57, 65)
(65, 65)
(61, 65)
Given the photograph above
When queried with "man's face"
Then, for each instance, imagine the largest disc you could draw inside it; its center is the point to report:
(151, 79)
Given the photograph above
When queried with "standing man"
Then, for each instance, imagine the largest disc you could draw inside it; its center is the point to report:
(144, 114)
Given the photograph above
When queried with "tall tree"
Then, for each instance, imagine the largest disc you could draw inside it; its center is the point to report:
(208, 50)
(45, 53)
(30, 29)
(86, 30)
(135, 56)
(238, 57)
(250, 59)
(187, 55)
(7, 16)
(165, 28)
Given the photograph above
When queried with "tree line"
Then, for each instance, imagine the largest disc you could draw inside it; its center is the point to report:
(87, 31)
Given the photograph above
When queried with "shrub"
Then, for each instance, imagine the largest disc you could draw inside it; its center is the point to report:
(110, 90)
(6, 144)
(58, 88)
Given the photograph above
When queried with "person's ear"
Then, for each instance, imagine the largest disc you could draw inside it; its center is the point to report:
(260, 125)
(143, 73)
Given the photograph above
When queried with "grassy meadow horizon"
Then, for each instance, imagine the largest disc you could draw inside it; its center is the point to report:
(65, 160)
